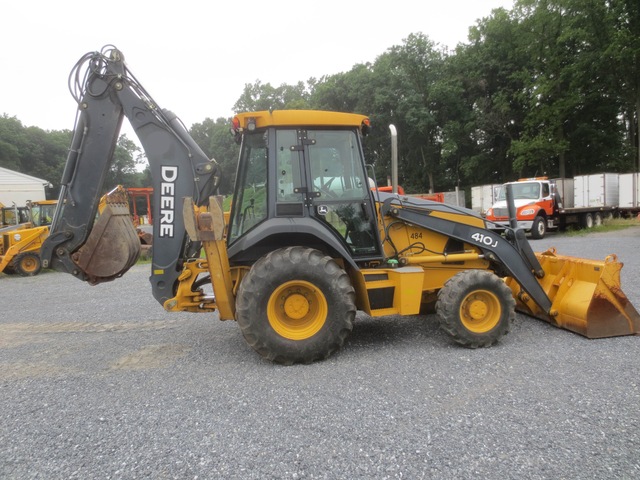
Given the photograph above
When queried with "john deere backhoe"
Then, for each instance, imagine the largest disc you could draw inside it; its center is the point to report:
(307, 242)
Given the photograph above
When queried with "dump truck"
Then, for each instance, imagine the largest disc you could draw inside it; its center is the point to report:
(307, 243)
(21, 242)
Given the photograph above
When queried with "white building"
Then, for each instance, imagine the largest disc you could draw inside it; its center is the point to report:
(16, 187)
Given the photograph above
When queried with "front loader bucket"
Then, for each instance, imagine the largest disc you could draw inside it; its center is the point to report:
(113, 245)
(586, 296)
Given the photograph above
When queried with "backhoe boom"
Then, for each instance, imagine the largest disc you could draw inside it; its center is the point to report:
(179, 169)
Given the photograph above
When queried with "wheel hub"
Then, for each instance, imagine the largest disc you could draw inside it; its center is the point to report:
(477, 309)
(296, 306)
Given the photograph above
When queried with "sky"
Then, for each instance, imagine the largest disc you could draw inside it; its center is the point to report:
(195, 57)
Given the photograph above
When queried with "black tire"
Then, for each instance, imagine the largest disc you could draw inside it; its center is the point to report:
(587, 220)
(597, 219)
(476, 308)
(538, 228)
(296, 305)
(28, 264)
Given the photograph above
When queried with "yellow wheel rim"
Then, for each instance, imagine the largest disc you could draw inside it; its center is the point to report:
(28, 264)
(297, 310)
(480, 311)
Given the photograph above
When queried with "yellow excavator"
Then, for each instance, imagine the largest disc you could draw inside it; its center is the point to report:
(307, 242)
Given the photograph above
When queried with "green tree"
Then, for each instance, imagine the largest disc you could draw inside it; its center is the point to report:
(363, 90)
(33, 151)
(489, 69)
(350, 92)
(571, 122)
(13, 141)
(217, 142)
(9, 156)
(123, 170)
(624, 53)
(420, 111)
(258, 96)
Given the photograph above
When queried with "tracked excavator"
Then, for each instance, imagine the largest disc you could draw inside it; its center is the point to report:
(307, 242)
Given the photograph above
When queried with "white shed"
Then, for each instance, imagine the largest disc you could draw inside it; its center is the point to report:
(16, 187)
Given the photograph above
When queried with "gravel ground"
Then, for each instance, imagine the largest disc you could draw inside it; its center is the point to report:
(100, 382)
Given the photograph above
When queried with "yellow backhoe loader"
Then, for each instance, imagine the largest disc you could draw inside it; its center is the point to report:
(307, 242)
(21, 242)
(12, 216)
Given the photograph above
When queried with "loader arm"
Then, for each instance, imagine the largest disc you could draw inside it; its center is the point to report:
(106, 92)
(514, 258)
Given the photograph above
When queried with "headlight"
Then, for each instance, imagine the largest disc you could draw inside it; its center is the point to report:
(490, 212)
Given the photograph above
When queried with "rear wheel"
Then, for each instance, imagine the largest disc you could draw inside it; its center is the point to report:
(476, 308)
(587, 220)
(539, 228)
(296, 305)
(28, 264)
(597, 219)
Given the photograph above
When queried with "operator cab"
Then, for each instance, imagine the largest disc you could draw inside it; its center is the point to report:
(42, 212)
(296, 183)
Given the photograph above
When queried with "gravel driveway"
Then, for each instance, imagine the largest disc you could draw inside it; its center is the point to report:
(100, 382)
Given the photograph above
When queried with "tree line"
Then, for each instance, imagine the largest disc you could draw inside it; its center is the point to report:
(549, 87)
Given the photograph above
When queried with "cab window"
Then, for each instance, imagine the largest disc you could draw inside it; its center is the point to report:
(336, 168)
(250, 201)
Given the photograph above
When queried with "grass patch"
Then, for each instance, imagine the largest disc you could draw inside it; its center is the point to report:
(611, 225)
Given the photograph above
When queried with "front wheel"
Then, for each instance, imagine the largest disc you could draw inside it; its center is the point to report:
(296, 305)
(476, 308)
(28, 264)
(539, 228)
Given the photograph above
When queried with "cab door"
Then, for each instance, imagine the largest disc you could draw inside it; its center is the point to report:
(337, 188)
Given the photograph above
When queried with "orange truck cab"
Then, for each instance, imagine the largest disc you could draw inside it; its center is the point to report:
(537, 202)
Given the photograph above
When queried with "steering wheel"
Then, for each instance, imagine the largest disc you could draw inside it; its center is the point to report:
(324, 188)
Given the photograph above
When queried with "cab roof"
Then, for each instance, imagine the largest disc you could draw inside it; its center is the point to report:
(310, 118)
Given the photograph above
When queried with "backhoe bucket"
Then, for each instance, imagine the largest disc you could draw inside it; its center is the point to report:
(113, 245)
(586, 296)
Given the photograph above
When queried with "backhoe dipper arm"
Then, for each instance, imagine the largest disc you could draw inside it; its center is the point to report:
(179, 168)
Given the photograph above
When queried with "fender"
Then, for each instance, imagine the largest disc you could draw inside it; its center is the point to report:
(259, 241)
